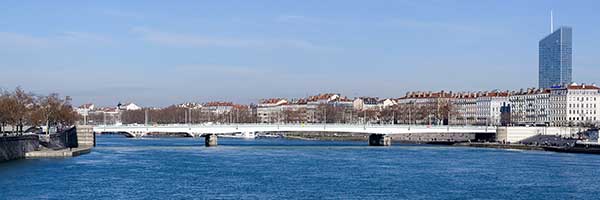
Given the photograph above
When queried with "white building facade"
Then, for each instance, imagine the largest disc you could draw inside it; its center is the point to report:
(270, 110)
(530, 107)
(465, 107)
(488, 107)
(575, 104)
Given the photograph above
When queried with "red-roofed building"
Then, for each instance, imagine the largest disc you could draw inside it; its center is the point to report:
(465, 105)
(530, 106)
(310, 109)
(323, 98)
(488, 106)
(270, 110)
(426, 107)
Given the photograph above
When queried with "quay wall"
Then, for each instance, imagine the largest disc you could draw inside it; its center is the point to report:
(15, 147)
(327, 136)
(60, 140)
(435, 137)
(515, 134)
(402, 138)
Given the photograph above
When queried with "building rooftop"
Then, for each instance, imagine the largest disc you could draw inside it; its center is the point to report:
(574, 86)
(218, 103)
(86, 106)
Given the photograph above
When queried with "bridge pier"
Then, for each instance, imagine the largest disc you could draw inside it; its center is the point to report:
(380, 140)
(210, 140)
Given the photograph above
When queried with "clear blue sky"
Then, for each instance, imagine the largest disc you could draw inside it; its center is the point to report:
(157, 53)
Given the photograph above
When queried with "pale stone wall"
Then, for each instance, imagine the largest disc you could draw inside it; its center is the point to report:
(516, 134)
(435, 137)
(85, 136)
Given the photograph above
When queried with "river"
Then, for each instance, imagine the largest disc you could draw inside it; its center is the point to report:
(182, 168)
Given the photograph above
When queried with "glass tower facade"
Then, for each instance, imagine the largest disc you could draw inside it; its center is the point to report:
(555, 63)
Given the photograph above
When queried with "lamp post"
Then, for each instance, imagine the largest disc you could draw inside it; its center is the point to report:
(325, 114)
(409, 114)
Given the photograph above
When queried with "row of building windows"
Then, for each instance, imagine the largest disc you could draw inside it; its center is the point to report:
(582, 118)
(581, 112)
(582, 99)
(576, 105)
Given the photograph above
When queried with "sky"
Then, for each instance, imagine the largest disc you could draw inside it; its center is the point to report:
(157, 53)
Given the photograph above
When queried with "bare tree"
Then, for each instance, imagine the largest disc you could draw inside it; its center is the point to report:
(24, 103)
(294, 115)
(20, 108)
(7, 109)
(56, 111)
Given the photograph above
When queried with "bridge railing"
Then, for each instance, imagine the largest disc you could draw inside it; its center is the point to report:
(293, 124)
(308, 125)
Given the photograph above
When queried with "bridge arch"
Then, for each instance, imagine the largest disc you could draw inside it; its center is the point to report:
(189, 134)
(176, 134)
(124, 133)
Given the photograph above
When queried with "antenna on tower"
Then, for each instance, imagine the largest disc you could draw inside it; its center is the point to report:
(551, 21)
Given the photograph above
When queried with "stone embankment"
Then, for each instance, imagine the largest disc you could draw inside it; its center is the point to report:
(72, 142)
(16, 147)
(500, 146)
(326, 136)
(421, 138)
(559, 139)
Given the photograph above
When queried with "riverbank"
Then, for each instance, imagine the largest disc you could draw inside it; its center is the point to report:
(501, 146)
(576, 148)
(68, 143)
(327, 138)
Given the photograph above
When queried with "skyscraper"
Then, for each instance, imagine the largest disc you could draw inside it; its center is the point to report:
(555, 64)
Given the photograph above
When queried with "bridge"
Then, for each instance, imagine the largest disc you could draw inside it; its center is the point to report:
(381, 133)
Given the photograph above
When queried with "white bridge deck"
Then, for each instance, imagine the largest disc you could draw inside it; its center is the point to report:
(196, 130)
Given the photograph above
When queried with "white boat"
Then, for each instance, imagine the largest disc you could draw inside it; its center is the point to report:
(243, 135)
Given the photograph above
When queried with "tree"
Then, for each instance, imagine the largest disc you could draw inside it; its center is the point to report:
(7, 108)
(134, 116)
(388, 115)
(66, 115)
(20, 108)
(23, 104)
(294, 115)
(56, 111)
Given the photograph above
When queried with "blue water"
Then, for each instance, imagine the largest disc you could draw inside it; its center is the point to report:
(181, 168)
